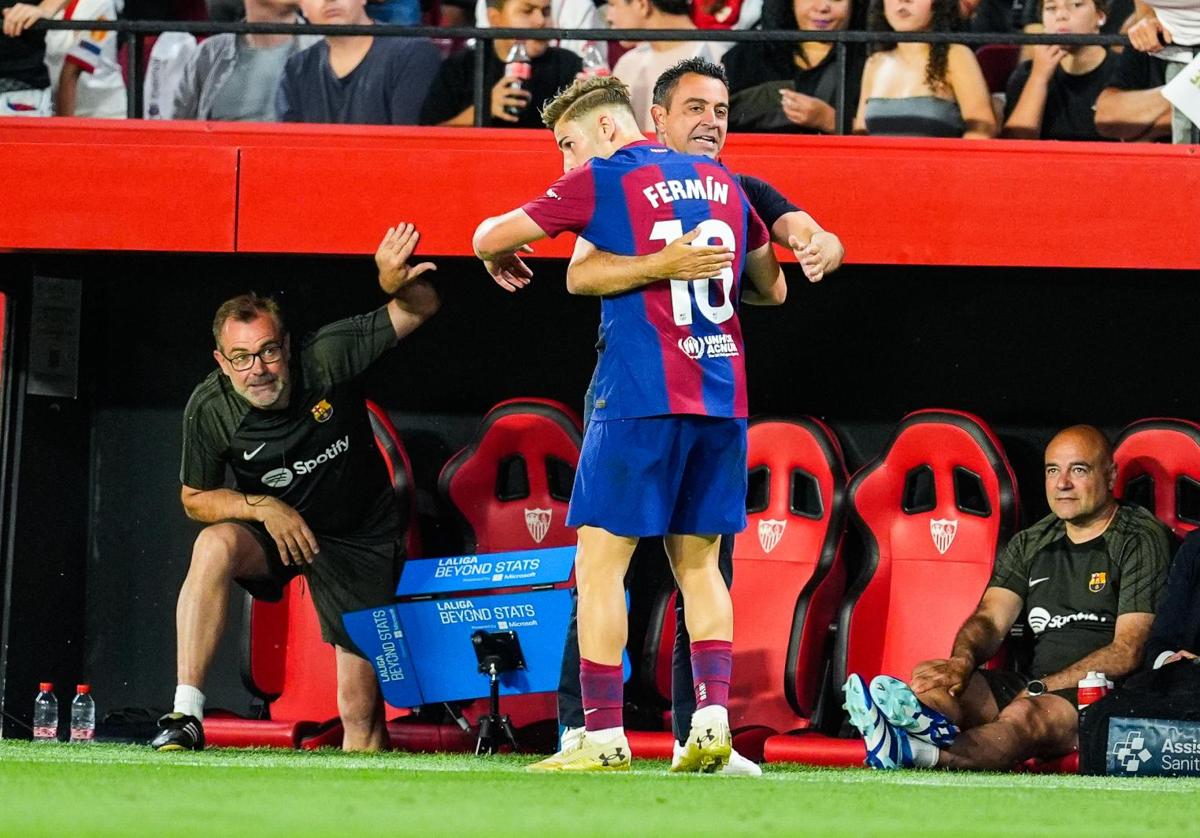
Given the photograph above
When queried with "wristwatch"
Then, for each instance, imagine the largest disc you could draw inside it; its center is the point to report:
(1035, 687)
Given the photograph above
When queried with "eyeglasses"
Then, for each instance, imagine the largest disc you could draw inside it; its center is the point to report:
(269, 354)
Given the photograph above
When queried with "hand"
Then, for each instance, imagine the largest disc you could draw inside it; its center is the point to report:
(1046, 60)
(1148, 35)
(680, 259)
(504, 95)
(19, 17)
(822, 255)
(294, 540)
(509, 270)
(807, 111)
(950, 674)
(1181, 655)
(392, 257)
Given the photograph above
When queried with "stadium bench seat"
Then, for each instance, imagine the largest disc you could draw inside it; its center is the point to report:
(1158, 467)
(510, 488)
(997, 61)
(285, 662)
(934, 510)
(788, 582)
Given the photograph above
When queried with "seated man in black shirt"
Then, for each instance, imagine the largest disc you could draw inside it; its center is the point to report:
(1132, 107)
(1175, 635)
(510, 105)
(1053, 96)
(358, 80)
(1086, 579)
(311, 498)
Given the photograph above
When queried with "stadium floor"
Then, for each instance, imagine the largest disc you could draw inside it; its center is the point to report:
(126, 790)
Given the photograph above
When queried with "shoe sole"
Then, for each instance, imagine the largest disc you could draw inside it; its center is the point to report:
(161, 748)
(708, 760)
(901, 707)
(857, 706)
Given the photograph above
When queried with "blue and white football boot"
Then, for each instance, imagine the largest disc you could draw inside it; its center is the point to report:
(887, 746)
(901, 707)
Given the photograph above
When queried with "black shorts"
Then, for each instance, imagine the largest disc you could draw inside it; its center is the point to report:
(347, 575)
(1006, 684)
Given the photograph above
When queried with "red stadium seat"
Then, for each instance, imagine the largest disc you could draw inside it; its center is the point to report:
(934, 510)
(285, 662)
(510, 486)
(788, 581)
(997, 62)
(1158, 467)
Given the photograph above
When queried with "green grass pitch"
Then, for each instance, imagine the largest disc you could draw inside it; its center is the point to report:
(126, 790)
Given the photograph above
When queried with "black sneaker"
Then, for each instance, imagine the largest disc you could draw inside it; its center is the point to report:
(179, 733)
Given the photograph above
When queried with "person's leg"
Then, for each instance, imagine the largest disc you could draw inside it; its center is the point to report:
(683, 694)
(570, 702)
(360, 704)
(222, 553)
(1046, 726)
(976, 706)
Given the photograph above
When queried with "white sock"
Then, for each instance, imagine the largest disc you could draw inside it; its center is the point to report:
(189, 701)
(925, 754)
(606, 736)
(709, 716)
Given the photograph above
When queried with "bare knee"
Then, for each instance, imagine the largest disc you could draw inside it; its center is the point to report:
(1040, 724)
(215, 551)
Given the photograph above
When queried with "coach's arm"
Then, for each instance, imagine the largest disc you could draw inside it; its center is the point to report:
(295, 540)
(413, 299)
(818, 251)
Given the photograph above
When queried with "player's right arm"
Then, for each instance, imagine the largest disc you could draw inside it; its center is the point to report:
(767, 285)
(598, 273)
(976, 642)
(499, 241)
(293, 538)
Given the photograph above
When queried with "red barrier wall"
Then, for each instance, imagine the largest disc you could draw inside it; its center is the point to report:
(85, 184)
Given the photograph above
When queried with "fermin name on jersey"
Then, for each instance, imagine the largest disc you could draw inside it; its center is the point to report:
(666, 191)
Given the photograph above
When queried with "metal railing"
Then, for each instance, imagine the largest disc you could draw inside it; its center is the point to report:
(134, 30)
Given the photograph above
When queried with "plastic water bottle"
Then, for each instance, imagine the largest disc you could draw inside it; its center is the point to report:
(594, 62)
(519, 68)
(83, 716)
(45, 714)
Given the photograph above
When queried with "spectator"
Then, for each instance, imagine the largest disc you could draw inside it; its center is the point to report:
(1170, 29)
(922, 90)
(451, 99)
(395, 12)
(24, 79)
(641, 66)
(85, 77)
(357, 79)
(793, 87)
(566, 14)
(1053, 97)
(235, 77)
(1132, 106)
(984, 16)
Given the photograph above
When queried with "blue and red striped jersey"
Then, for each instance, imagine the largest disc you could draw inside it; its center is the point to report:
(670, 347)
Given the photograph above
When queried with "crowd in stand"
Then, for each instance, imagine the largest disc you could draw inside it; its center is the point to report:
(913, 89)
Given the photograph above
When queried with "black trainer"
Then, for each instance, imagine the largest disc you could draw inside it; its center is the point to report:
(179, 733)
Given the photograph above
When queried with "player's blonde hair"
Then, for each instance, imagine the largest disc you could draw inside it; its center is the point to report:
(585, 96)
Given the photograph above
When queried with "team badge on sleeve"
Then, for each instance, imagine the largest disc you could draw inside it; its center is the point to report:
(322, 410)
(943, 531)
(769, 533)
(537, 521)
(1097, 582)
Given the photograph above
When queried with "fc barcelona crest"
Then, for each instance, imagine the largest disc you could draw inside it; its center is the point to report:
(943, 531)
(1097, 582)
(537, 521)
(769, 533)
(322, 410)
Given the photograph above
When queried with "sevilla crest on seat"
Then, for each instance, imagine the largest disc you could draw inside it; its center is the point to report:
(934, 509)
(512, 483)
(1158, 467)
